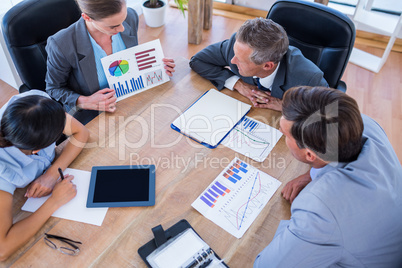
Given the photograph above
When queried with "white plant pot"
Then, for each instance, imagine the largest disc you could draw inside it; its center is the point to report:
(154, 17)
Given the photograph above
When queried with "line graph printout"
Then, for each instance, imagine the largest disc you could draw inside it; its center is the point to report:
(253, 139)
(154, 77)
(135, 69)
(236, 197)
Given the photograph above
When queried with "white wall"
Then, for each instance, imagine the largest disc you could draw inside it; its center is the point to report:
(258, 4)
(395, 5)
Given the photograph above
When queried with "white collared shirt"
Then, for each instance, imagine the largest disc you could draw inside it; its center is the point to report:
(269, 80)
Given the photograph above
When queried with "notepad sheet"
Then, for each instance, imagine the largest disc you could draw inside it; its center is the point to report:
(76, 209)
(211, 117)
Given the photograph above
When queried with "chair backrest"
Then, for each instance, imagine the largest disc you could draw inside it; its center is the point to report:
(26, 27)
(324, 35)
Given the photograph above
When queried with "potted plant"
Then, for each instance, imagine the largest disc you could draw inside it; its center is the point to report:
(154, 11)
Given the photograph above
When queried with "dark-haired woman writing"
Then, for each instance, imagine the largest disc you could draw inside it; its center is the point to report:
(30, 125)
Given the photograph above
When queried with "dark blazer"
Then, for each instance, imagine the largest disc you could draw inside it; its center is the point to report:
(71, 68)
(294, 70)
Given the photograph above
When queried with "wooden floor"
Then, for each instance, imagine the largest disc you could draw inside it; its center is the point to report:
(378, 95)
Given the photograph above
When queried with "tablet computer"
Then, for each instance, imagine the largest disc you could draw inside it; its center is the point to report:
(122, 186)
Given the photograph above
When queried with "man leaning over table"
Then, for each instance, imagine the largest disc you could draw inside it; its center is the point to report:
(347, 210)
(258, 62)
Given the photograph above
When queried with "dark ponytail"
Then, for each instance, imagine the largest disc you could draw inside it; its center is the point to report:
(3, 142)
(32, 123)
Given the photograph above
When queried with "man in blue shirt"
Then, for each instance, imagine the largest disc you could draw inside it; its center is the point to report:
(347, 210)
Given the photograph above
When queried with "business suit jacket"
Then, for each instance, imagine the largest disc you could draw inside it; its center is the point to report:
(294, 70)
(71, 68)
(350, 215)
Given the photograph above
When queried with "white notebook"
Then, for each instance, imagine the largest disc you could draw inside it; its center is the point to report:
(209, 119)
(186, 250)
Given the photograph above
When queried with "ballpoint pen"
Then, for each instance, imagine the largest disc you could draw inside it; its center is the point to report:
(61, 174)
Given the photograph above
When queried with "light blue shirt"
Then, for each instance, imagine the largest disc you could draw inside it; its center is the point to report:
(314, 172)
(17, 169)
(350, 215)
(99, 53)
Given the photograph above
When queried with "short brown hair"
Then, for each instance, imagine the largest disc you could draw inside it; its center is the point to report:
(327, 121)
(267, 38)
(100, 9)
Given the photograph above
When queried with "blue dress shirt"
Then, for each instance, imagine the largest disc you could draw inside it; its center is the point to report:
(350, 215)
(117, 45)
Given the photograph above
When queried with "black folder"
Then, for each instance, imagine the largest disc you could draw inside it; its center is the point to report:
(162, 237)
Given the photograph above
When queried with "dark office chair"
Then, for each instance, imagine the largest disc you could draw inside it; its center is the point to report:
(324, 35)
(26, 27)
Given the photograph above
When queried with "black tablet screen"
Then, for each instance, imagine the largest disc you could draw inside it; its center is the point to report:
(121, 185)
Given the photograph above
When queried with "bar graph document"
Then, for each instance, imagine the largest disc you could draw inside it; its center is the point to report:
(253, 139)
(236, 197)
(135, 69)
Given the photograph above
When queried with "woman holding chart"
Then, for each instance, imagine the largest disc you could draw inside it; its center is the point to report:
(75, 76)
(31, 123)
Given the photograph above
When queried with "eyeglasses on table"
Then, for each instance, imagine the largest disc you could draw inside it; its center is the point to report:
(71, 249)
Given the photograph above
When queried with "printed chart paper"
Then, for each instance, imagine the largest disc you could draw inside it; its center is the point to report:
(76, 209)
(253, 139)
(236, 197)
(135, 69)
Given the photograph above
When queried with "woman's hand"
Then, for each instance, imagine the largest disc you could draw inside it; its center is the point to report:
(102, 100)
(64, 191)
(169, 66)
(42, 186)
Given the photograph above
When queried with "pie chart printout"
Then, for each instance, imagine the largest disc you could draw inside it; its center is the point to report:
(118, 68)
(135, 69)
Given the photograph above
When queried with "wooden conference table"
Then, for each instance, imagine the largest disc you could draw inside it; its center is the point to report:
(139, 133)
